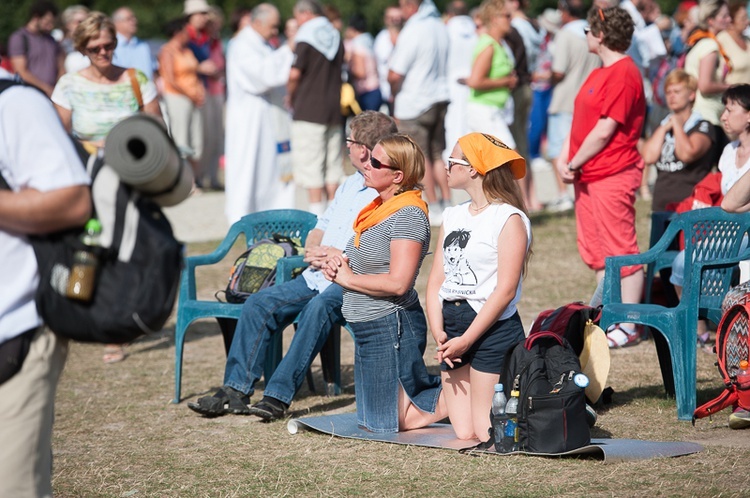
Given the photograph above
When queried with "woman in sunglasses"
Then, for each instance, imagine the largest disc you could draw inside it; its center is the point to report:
(91, 101)
(394, 392)
(600, 156)
(475, 282)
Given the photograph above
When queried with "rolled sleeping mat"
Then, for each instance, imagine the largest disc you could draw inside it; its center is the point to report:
(139, 149)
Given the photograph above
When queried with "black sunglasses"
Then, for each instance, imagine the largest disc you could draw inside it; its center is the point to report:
(95, 50)
(378, 165)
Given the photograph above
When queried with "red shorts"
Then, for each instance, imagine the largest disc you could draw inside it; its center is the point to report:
(605, 218)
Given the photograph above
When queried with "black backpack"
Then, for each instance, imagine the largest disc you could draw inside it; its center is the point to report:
(552, 406)
(139, 265)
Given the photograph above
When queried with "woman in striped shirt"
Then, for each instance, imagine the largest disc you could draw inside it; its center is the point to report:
(394, 392)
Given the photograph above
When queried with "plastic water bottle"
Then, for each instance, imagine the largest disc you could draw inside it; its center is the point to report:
(498, 416)
(85, 261)
(743, 376)
(510, 441)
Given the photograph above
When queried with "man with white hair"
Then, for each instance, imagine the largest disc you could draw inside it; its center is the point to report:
(254, 71)
(131, 51)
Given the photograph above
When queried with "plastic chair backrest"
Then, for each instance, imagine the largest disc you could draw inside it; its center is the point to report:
(711, 234)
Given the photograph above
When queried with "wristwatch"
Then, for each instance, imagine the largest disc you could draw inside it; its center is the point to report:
(571, 168)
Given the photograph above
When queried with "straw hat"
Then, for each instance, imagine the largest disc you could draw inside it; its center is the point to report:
(195, 7)
(595, 360)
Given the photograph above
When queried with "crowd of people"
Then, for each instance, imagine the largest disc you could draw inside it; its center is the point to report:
(475, 101)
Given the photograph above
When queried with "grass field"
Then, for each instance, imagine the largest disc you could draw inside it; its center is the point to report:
(117, 434)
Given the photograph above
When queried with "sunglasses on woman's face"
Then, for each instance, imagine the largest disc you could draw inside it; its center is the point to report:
(95, 50)
(378, 165)
(452, 161)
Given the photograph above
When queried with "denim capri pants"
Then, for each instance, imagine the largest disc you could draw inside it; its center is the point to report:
(389, 353)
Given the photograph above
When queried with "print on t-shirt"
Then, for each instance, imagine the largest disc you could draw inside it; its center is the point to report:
(457, 268)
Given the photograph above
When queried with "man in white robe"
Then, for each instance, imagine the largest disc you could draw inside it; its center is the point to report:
(255, 72)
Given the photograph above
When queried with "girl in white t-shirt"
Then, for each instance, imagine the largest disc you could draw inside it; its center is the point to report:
(475, 282)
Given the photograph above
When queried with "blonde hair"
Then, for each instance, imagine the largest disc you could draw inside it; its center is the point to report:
(90, 29)
(404, 154)
(678, 76)
(500, 187)
(489, 9)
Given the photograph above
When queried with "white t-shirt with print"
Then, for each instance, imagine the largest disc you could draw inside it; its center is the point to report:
(470, 254)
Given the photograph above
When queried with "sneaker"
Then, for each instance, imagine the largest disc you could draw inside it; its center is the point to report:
(739, 419)
(560, 205)
(269, 409)
(225, 400)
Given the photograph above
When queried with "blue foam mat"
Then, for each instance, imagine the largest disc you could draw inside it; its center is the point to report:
(442, 436)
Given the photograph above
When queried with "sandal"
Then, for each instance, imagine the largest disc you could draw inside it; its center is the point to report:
(226, 400)
(113, 353)
(268, 409)
(620, 337)
(704, 345)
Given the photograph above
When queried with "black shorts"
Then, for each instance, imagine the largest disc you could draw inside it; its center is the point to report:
(487, 354)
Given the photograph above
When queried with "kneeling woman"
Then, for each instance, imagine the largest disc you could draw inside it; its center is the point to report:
(394, 392)
(475, 282)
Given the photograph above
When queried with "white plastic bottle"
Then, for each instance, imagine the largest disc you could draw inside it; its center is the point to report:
(498, 417)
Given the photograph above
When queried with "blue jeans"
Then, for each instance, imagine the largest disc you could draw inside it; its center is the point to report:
(540, 101)
(268, 312)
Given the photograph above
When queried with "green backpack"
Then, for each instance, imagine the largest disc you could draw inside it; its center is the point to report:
(255, 269)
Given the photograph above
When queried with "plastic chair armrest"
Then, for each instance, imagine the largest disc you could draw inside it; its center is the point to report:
(285, 267)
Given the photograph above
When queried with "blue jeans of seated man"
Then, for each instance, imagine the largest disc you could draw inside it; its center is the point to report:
(268, 312)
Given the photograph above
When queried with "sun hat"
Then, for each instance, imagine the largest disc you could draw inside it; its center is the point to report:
(595, 360)
(195, 7)
(486, 153)
(550, 20)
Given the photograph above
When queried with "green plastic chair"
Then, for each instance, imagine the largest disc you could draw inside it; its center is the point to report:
(293, 223)
(712, 249)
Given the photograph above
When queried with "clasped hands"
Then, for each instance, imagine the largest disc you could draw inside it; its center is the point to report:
(450, 351)
(331, 261)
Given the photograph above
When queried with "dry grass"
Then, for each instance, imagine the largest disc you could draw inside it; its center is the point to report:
(117, 433)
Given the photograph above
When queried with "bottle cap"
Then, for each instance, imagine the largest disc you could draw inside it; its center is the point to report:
(498, 388)
(514, 393)
(744, 364)
(93, 225)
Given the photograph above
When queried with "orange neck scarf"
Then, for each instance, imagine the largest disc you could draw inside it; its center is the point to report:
(377, 210)
(700, 34)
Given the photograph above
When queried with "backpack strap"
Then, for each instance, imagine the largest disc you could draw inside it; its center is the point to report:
(533, 338)
(726, 399)
(136, 88)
